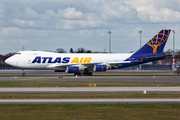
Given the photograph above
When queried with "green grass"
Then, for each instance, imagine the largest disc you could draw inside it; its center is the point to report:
(84, 84)
(88, 95)
(90, 111)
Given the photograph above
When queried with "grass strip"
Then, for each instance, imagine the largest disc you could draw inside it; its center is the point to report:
(87, 95)
(155, 111)
(85, 84)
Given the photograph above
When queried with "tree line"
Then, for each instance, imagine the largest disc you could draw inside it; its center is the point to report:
(79, 50)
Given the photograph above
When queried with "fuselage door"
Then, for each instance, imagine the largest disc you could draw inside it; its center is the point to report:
(29, 62)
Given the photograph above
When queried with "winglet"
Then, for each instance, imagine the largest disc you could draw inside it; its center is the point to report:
(156, 44)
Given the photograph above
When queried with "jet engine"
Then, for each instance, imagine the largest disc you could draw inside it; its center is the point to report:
(98, 68)
(72, 69)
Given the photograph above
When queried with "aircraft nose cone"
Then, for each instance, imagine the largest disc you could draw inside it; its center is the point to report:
(10, 61)
(7, 61)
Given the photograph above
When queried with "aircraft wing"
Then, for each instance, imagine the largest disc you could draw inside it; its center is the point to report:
(76, 64)
(85, 64)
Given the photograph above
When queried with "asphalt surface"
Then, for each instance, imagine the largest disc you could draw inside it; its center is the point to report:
(93, 79)
(49, 75)
(61, 101)
(87, 89)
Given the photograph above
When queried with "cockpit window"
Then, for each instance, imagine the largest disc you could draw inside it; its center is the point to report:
(18, 53)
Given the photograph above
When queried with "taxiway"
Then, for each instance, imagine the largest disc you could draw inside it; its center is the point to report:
(88, 89)
(63, 101)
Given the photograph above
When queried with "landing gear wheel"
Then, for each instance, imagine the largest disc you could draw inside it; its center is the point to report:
(88, 73)
(23, 74)
(77, 74)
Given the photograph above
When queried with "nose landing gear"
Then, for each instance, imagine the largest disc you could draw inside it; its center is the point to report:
(23, 73)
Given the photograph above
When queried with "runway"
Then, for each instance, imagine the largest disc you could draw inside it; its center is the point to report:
(88, 89)
(99, 101)
(50, 76)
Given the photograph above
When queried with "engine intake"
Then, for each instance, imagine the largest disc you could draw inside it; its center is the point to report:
(98, 68)
(72, 69)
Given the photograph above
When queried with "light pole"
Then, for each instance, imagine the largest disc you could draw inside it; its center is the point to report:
(173, 67)
(109, 32)
(140, 46)
(140, 37)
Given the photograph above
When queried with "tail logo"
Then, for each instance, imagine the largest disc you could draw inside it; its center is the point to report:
(158, 40)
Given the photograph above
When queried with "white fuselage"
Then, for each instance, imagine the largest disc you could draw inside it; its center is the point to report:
(49, 60)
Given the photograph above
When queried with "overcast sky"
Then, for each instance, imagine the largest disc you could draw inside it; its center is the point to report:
(52, 24)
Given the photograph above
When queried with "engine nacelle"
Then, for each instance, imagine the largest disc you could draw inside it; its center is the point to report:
(72, 69)
(98, 68)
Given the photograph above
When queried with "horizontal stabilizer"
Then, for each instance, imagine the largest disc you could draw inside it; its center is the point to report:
(156, 57)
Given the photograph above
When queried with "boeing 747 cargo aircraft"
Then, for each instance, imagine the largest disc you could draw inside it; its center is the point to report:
(85, 64)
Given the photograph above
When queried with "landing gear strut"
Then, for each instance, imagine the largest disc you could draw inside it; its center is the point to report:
(86, 72)
(23, 73)
(77, 74)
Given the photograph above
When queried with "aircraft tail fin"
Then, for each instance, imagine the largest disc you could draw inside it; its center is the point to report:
(156, 44)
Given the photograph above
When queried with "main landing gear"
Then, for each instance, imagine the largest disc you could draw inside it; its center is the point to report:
(23, 73)
(86, 72)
